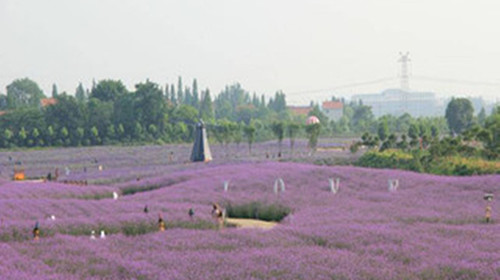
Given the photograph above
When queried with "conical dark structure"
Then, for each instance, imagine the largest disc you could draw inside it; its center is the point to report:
(201, 150)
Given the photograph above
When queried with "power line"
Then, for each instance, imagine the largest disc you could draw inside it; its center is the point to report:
(352, 85)
(453, 81)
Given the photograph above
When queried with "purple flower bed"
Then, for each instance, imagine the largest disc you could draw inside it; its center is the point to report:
(431, 227)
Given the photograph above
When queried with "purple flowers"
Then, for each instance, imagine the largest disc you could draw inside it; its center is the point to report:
(430, 227)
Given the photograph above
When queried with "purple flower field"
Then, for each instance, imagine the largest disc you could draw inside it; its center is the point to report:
(431, 227)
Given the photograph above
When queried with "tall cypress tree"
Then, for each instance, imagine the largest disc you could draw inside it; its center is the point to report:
(55, 93)
(167, 93)
(180, 94)
(172, 94)
(80, 93)
(196, 98)
(188, 98)
(206, 106)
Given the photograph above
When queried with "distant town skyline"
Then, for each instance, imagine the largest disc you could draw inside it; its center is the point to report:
(310, 50)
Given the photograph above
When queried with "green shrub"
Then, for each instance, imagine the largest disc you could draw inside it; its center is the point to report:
(257, 210)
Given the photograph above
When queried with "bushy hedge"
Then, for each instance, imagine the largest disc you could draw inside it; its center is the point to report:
(464, 166)
(391, 159)
(258, 210)
(422, 161)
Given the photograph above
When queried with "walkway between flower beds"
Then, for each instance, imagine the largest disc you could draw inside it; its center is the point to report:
(250, 223)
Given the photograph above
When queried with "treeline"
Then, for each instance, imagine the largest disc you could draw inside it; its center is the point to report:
(109, 113)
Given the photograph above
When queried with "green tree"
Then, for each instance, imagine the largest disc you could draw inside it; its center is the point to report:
(481, 117)
(94, 135)
(3, 102)
(80, 93)
(459, 114)
(292, 130)
(67, 113)
(173, 99)
(278, 128)
(100, 114)
(110, 132)
(108, 90)
(278, 104)
(153, 131)
(249, 131)
(80, 135)
(50, 135)
(180, 93)
(34, 135)
(313, 131)
(414, 133)
(137, 132)
(7, 135)
(362, 118)
(150, 106)
(124, 113)
(22, 135)
(120, 132)
(55, 93)
(236, 134)
(63, 136)
(24, 93)
(490, 135)
(383, 130)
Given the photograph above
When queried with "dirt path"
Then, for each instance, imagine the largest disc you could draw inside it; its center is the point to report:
(250, 223)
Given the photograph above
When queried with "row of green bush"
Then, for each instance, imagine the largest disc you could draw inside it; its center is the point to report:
(258, 210)
(422, 161)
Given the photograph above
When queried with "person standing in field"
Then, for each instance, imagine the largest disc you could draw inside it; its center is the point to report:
(161, 223)
(488, 197)
(488, 214)
(218, 214)
(36, 231)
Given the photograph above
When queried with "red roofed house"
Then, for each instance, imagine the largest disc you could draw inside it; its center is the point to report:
(47, 101)
(334, 110)
(300, 110)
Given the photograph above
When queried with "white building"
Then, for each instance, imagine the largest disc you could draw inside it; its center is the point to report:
(334, 110)
(397, 102)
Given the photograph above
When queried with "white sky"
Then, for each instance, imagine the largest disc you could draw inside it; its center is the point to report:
(266, 45)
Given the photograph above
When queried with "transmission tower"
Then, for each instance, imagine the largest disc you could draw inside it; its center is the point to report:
(405, 80)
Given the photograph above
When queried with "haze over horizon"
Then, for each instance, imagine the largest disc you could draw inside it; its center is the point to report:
(298, 47)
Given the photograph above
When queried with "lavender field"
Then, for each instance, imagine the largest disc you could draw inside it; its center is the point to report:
(430, 227)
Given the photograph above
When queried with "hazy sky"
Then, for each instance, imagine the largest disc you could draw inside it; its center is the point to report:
(266, 45)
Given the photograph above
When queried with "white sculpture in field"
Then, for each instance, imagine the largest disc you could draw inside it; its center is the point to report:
(92, 235)
(115, 195)
(393, 184)
(103, 234)
(334, 185)
(67, 171)
(279, 183)
(52, 217)
(226, 186)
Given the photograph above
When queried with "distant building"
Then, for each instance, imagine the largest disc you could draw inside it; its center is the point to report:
(333, 110)
(44, 102)
(300, 110)
(397, 102)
